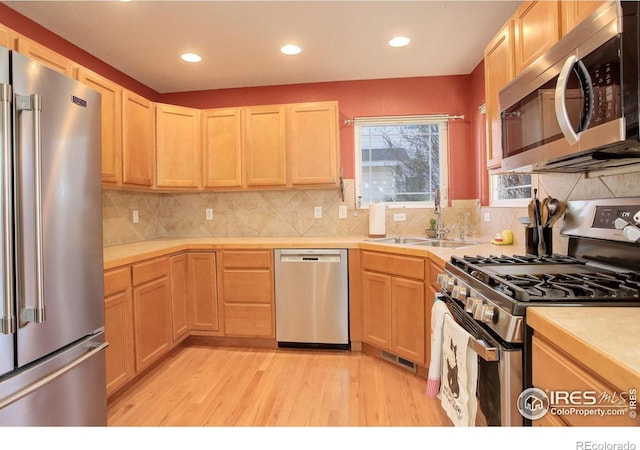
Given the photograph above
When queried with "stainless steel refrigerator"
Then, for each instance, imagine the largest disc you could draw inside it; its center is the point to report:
(52, 361)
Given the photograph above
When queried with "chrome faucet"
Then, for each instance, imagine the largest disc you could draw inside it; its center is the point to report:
(441, 231)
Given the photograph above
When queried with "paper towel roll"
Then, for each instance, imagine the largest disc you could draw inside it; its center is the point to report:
(376, 220)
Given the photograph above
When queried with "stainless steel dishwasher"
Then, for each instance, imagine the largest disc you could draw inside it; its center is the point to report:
(312, 298)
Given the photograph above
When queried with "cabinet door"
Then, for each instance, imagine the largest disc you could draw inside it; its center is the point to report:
(111, 124)
(312, 130)
(179, 269)
(45, 56)
(222, 147)
(177, 147)
(137, 139)
(536, 28)
(265, 145)
(575, 11)
(5, 37)
(498, 70)
(152, 319)
(118, 328)
(376, 309)
(203, 296)
(407, 319)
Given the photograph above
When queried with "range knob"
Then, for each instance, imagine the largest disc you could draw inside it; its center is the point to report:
(451, 282)
(472, 304)
(461, 294)
(441, 280)
(484, 313)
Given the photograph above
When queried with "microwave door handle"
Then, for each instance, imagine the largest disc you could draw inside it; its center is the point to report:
(561, 101)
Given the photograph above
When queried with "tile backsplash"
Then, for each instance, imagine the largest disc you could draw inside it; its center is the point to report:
(291, 212)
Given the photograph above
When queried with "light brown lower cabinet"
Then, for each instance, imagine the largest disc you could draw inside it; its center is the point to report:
(393, 292)
(555, 370)
(246, 291)
(118, 326)
(179, 308)
(203, 295)
(151, 310)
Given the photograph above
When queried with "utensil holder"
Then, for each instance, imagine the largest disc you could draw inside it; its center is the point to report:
(537, 248)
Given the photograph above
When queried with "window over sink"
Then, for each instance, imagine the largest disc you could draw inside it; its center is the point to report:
(512, 189)
(401, 160)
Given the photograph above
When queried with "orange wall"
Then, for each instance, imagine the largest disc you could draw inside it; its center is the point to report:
(400, 96)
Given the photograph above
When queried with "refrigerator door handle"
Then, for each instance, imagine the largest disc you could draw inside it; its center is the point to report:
(8, 318)
(34, 103)
(51, 377)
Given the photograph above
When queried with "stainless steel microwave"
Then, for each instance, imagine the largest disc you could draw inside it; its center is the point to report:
(576, 108)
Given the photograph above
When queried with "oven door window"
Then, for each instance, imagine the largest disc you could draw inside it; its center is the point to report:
(592, 97)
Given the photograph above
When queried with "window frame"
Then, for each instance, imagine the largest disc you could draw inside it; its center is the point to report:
(509, 203)
(441, 120)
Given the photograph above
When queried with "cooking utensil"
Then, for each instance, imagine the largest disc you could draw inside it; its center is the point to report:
(524, 221)
(544, 212)
(553, 207)
(538, 219)
(559, 213)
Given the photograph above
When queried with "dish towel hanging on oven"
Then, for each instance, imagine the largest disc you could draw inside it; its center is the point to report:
(459, 374)
(438, 311)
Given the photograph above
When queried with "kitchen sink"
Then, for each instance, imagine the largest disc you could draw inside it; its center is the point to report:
(399, 240)
(446, 243)
(423, 241)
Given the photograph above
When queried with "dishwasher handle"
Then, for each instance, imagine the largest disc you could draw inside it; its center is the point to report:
(310, 256)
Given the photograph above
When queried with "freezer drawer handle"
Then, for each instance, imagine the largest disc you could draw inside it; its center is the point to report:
(51, 377)
(34, 103)
(8, 317)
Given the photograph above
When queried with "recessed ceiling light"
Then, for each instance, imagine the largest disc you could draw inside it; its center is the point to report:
(191, 57)
(399, 41)
(290, 49)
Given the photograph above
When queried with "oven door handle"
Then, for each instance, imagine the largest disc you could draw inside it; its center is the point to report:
(485, 352)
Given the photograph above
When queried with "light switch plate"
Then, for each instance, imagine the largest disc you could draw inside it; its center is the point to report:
(317, 212)
(209, 213)
(487, 217)
(400, 217)
(342, 211)
(136, 216)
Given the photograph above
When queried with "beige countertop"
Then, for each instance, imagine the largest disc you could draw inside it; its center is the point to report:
(605, 339)
(120, 255)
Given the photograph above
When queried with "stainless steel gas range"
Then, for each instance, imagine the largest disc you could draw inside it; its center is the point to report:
(489, 295)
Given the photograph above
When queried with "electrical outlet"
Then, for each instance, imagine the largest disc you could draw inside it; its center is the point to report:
(342, 211)
(487, 217)
(209, 213)
(317, 212)
(136, 216)
(400, 217)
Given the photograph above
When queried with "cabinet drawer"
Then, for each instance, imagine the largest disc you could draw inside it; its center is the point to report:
(240, 259)
(247, 286)
(404, 266)
(150, 270)
(555, 370)
(117, 280)
(248, 320)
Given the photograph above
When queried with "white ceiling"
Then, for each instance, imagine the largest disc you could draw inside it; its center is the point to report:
(239, 41)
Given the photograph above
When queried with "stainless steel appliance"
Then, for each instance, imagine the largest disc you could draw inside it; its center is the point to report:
(52, 363)
(312, 297)
(489, 295)
(576, 108)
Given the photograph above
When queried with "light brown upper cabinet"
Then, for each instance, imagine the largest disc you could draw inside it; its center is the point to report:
(265, 146)
(111, 124)
(177, 147)
(498, 71)
(574, 12)
(45, 56)
(312, 132)
(536, 27)
(222, 147)
(5, 37)
(138, 146)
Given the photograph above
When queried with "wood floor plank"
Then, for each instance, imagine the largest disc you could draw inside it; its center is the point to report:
(210, 386)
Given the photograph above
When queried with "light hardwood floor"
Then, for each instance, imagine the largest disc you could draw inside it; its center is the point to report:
(211, 386)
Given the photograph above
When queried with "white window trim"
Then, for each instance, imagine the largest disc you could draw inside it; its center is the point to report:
(510, 203)
(404, 120)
